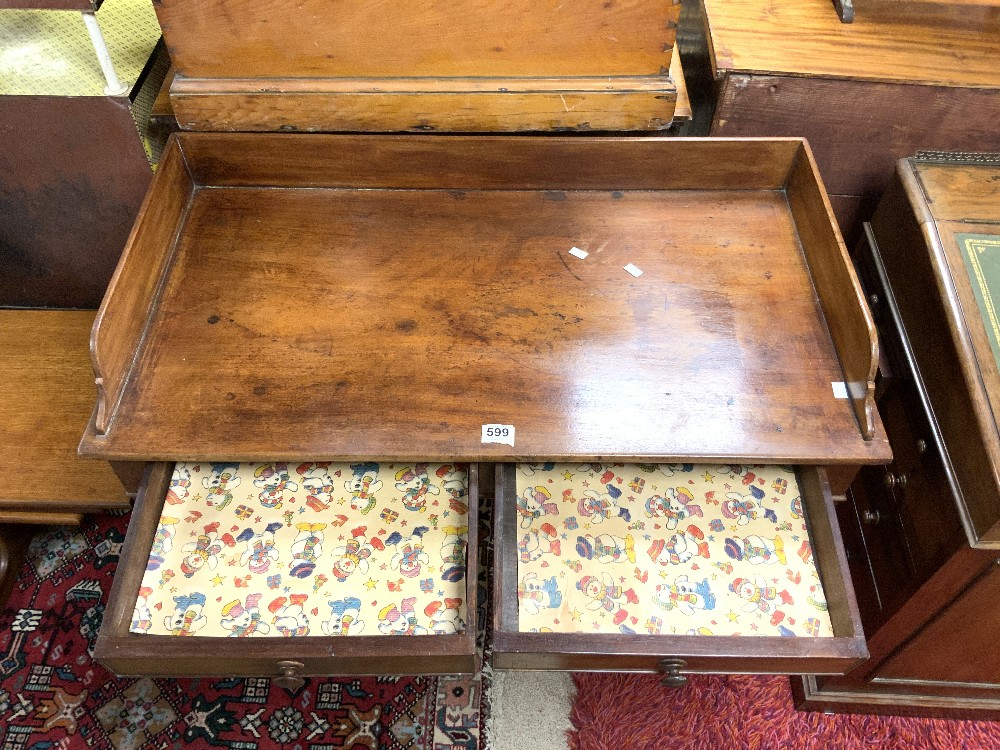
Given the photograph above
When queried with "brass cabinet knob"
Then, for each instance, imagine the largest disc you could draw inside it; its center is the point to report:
(871, 517)
(921, 447)
(288, 678)
(672, 676)
(894, 480)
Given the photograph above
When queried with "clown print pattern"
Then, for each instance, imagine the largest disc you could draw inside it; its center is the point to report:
(665, 549)
(305, 549)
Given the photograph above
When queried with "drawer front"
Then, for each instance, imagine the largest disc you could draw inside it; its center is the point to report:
(919, 488)
(654, 573)
(371, 582)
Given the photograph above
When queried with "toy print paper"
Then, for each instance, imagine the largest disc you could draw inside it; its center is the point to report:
(308, 549)
(667, 548)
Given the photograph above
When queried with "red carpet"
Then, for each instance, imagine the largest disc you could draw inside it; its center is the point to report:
(53, 696)
(719, 713)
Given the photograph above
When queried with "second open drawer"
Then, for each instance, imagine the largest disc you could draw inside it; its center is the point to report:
(672, 568)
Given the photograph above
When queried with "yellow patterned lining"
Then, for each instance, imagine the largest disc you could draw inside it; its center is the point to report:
(48, 53)
(665, 548)
(308, 549)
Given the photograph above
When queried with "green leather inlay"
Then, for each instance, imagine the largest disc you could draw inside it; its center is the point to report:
(981, 253)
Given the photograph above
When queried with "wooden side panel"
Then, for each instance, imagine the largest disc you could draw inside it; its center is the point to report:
(844, 307)
(438, 38)
(46, 398)
(72, 176)
(859, 129)
(935, 654)
(121, 322)
(479, 163)
(424, 105)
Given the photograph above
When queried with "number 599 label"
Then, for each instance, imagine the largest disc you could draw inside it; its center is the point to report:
(498, 433)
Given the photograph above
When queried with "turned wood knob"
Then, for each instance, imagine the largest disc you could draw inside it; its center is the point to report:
(289, 679)
(672, 676)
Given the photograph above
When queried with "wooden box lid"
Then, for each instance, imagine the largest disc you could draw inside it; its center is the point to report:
(430, 65)
(938, 237)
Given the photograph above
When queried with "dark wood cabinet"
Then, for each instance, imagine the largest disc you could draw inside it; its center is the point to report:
(920, 532)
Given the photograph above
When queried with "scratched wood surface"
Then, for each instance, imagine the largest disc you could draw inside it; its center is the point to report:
(46, 398)
(938, 44)
(391, 322)
(376, 38)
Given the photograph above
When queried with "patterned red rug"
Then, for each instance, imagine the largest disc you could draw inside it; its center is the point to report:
(53, 695)
(716, 712)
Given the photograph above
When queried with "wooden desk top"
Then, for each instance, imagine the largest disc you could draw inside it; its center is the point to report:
(395, 295)
(946, 44)
(46, 398)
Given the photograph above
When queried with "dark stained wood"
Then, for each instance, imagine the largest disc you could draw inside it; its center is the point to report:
(935, 654)
(859, 129)
(272, 305)
(41, 517)
(14, 541)
(931, 633)
(46, 398)
(924, 268)
(850, 325)
(128, 653)
(73, 173)
(642, 653)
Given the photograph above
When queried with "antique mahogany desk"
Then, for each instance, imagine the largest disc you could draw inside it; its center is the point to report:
(923, 533)
(291, 304)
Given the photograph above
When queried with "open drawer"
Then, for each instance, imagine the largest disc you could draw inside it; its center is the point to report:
(673, 568)
(297, 569)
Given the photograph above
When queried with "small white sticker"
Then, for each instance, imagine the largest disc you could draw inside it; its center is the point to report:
(634, 270)
(499, 433)
(839, 389)
(578, 253)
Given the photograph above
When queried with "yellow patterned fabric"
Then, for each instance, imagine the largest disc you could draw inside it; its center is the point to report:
(308, 549)
(49, 53)
(665, 548)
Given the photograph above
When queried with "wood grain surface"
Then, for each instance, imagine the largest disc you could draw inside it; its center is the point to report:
(392, 323)
(46, 398)
(375, 38)
(941, 44)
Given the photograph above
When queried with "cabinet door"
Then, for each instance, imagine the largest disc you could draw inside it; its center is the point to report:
(959, 645)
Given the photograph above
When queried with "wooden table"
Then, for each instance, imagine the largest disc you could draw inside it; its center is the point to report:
(901, 78)
(46, 396)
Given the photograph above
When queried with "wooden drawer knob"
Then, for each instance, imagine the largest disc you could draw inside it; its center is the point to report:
(672, 676)
(288, 678)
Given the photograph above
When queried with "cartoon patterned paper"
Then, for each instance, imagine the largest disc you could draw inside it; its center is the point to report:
(666, 548)
(308, 549)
